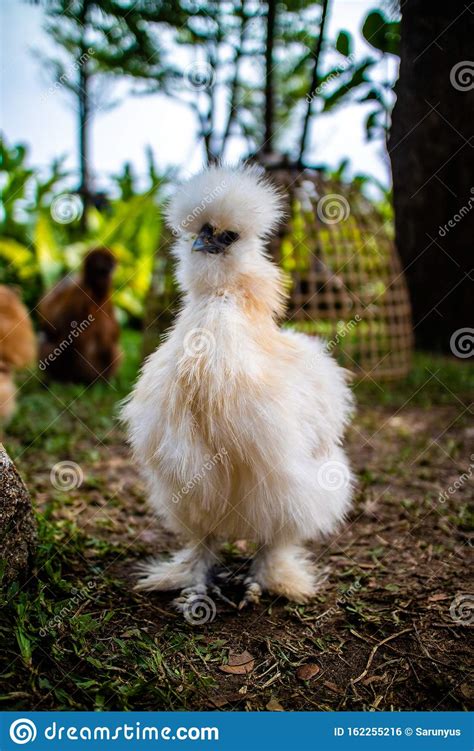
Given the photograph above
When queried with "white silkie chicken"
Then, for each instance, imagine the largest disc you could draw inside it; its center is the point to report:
(237, 422)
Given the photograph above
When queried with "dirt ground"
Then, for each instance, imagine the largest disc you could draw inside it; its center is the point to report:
(388, 630)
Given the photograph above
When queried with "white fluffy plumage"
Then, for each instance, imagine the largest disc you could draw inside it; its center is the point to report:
(237, 422)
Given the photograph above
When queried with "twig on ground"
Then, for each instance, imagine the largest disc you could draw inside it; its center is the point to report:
(374, 650)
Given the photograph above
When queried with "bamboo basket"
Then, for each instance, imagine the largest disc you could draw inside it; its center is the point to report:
(346, 281)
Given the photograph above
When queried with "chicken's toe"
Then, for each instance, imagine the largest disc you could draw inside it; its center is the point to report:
(196, 605)
(253, 592)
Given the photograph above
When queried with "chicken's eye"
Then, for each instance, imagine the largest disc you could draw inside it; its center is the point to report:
(228, 237)
(207, 229)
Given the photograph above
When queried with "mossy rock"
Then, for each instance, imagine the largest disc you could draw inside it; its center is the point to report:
(17, 523)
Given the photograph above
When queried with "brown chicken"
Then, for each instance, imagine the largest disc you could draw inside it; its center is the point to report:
(79, 330)
(17, 347)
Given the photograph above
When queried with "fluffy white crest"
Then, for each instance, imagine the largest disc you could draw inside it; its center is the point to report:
(239, 199)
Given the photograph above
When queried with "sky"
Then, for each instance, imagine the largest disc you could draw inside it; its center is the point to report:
(32, 113)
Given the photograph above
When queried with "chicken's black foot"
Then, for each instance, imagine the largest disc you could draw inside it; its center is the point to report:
(229, 577)
(216, 590)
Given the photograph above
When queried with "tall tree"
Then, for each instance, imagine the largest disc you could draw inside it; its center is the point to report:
(269, 77)
(240, 59)
(431, 151)
(314, 81)
(83, 97)
(98, 41)
(75, 70)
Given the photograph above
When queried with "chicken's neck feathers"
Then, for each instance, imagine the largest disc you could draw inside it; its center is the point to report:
(261, 299)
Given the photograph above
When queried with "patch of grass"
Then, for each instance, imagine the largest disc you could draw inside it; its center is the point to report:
(69, 421)
(74, 635)
(433, 379)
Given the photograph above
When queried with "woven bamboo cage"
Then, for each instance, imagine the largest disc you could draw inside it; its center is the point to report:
(347, 284)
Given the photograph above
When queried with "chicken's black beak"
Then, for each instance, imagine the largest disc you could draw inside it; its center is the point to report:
(205, 244)
(209, 241)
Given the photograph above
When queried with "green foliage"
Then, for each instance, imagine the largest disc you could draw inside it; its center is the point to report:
(369, 186)
(384, 36)
(344, 43)
(223, 61)
(36, 250)
(25, 196)
(349, 79)
(297, 30)
(381, 33)
(24, 189)
(109, 38)
(220, 73)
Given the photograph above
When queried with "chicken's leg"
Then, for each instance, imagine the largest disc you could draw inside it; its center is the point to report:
(188, 568)
(282, 569)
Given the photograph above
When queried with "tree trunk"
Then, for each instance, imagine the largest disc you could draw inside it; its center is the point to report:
(267, 147)
(17, 523)
(84, 118)
(433, 164)
(84, 115)
(162, 298)
(234, 87)
(314, 83)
